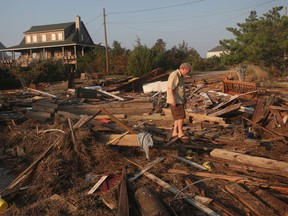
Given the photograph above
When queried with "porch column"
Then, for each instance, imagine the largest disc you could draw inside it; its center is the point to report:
(63, 52)
(75, 52)
(44, 55)
(82, 51)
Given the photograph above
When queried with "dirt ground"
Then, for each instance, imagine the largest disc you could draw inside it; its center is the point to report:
(55, 170)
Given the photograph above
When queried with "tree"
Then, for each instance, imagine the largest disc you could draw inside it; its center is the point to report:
(141, 60)
(260, 41)
(160, 51)
(118, 59)
(183, 53)
(94, 61)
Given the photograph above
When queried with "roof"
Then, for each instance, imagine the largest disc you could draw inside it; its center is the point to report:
(51, 27)
(218, 49)
(1, 46)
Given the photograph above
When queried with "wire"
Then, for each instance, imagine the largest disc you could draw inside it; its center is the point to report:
(158, 8)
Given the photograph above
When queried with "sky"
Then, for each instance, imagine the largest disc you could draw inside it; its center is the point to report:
(199, 23)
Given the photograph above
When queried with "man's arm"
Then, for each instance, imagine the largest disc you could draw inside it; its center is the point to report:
(171, 95)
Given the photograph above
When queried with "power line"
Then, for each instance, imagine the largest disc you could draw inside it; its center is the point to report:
(195, 29)
(157, 8)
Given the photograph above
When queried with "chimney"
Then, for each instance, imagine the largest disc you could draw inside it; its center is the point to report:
(78, 26)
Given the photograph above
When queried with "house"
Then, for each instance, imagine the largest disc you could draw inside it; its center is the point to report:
(216, 51)
(62, 41)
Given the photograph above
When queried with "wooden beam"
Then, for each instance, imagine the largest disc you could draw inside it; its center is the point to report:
(174, 190)
(123, 202)
(127, 140)
(254, 204)
(200, 117)
(226, 110)
(117, 121)
(250, 160)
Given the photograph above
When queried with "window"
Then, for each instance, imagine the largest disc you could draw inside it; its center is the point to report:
(60, 36)
(28, 39)
(34, 38)
(44, 38)
(53, 37)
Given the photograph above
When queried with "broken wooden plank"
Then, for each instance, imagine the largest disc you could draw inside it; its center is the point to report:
(245, 180)
(111, 95)
(226, 110)
(39, 116)
(127, 140)
(174, 190)
(123, 201)
(246, 198)
(117, 121)
(41, 92)
(196, 117)
(191, 163)
(146, 168)
(232, 98)
(278, 205)
(248, 159)
(94, 188)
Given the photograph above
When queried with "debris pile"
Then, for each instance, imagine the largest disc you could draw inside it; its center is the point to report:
(85, 153)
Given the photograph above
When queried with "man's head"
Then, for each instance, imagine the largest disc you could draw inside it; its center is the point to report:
(185, 68)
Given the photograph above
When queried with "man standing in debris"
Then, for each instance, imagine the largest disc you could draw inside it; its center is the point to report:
(176, 98)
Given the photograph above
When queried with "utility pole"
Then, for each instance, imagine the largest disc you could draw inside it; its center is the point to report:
(106, 46)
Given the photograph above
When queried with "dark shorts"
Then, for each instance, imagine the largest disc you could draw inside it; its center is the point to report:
(178, 112)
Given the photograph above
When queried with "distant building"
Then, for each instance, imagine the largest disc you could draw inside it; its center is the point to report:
(216, 51)
(62, 41)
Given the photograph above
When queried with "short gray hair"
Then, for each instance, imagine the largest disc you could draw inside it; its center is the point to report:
(185, 66)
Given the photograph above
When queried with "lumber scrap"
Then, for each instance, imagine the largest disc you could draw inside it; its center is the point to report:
(174, 190)
(232, 98)
(191, 163)
(98, 183)
(146, 168)
(200, 117)
(44, 107)
(39, 116)
(245, 180)
(250, 201)
(117, 121)
(278, 205)
(41, 92)
(111, 95)
(127, 140)
(274, 134)
(253, 160)
(226, 110)
(149, 203)
(123, 202)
